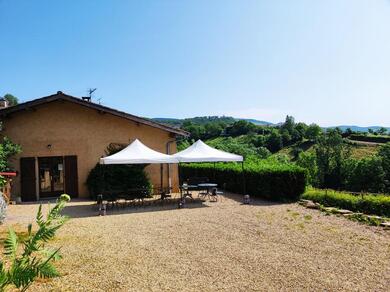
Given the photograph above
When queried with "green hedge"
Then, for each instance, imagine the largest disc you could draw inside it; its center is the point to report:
(274, 181)
(117, 177)
(368, 204)
(370, 138)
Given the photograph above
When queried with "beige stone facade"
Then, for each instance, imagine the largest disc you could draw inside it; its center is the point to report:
(62, 127)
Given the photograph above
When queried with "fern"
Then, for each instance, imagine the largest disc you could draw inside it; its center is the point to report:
(11, 244)
(29, 259)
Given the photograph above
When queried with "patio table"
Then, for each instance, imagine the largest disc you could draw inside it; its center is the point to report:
(185, 190)
(207, 187)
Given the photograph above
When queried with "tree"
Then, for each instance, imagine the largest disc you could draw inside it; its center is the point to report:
(331, 154)
(12, 100)
(274, 141)
(240, 128)
(213, 130)
(384, 154)
(286, 137)
(196, 131)
(367, 175)
(348, 132)
(308, 160)
(313, 132)
(382, 131)
(302, 129)
(7, 150)
(289, 124)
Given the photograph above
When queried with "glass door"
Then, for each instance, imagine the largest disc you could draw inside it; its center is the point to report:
(51, 176)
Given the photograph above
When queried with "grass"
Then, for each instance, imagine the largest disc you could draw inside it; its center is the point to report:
(358, 151)
(368, 204)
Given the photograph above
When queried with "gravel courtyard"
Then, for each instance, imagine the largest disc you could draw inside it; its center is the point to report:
(214, 247)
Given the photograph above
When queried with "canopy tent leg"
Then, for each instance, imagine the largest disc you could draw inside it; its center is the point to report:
(243, 178)
(180, 182)
(214, 171)
(161, 176)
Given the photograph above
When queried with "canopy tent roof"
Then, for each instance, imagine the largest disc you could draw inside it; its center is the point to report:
(138, 153)
(201, 152)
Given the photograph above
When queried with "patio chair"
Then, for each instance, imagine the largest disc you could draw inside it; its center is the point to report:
(214, 194)
(185, 191)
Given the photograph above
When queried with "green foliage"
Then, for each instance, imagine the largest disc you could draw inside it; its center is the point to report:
(331, 154)
(7, 150)
(365, 219)
(370, 138)
(241, 128)
(117, 177)
(368, 203)
(234, 145)
(12, 100)
(308, 161)
(366, 174)
(274, 141)
(264, 178)
(384, 154)
(313, 132)
(27, 259)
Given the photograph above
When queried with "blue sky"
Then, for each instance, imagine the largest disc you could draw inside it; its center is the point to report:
(321, 61)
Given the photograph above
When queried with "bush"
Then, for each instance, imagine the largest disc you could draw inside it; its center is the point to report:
(28, 257)
(366, 174)
(269, 180)
(370, 138)
(117, 177)
(368, 203)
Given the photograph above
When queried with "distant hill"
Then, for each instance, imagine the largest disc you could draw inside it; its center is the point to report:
(196, 120)
(229, 120)
(358, 128)
(169, 121)
(207, 119)
(257, 122)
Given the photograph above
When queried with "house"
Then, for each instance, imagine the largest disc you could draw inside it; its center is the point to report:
(63, 137)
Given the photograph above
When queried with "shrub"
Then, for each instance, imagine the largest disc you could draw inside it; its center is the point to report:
(28, 258)
(366, 174)
(370, 138)
(117, 177)
(368, 203)
(269, 180)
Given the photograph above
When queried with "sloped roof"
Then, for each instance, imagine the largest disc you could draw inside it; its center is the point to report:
(62, 96)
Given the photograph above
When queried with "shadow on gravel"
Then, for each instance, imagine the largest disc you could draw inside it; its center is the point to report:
(92, 209)
(254, 201)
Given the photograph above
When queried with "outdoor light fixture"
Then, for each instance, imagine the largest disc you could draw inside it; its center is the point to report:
(48, 146)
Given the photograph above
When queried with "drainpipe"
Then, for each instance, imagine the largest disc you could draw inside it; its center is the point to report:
(168, 145)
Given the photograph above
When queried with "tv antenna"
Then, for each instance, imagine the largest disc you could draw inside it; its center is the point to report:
(90, 91)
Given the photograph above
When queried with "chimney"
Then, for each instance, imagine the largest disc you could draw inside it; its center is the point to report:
(3, 103)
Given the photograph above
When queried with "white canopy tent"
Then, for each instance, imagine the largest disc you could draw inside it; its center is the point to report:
(138, 153)
(201, 152)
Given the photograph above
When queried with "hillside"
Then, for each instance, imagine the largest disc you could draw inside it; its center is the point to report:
(229, 120)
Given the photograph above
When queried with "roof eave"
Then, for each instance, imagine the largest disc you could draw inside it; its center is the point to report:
(61, 96)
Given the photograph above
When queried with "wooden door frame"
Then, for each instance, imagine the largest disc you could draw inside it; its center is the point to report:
(51, 194)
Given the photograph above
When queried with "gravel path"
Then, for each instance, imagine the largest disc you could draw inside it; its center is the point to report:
(215, 247)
